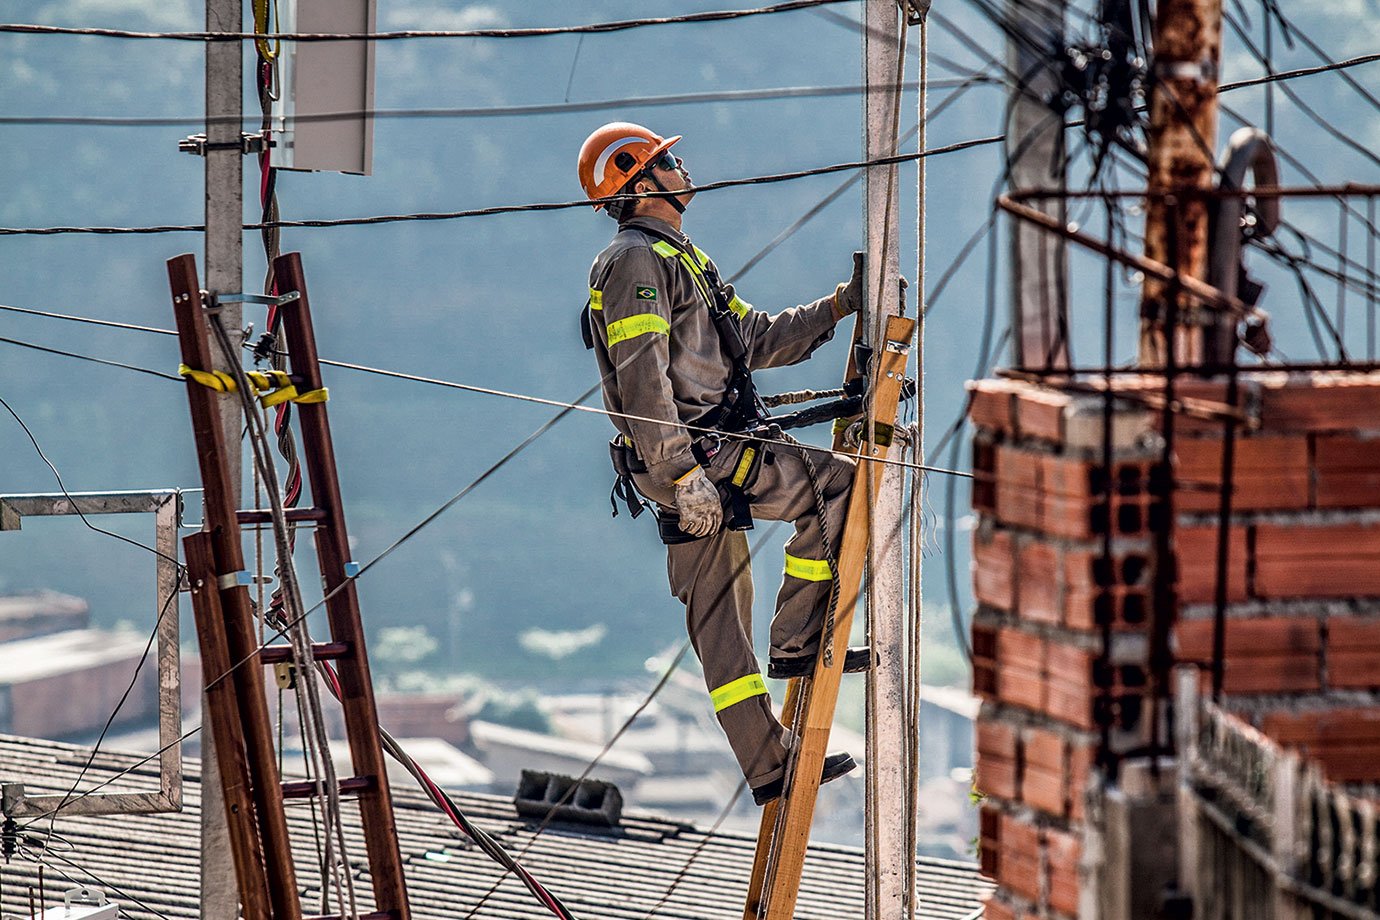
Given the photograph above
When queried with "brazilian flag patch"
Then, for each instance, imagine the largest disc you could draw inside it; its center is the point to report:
(646, 293)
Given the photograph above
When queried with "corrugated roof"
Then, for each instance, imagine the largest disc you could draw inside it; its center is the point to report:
(623, 874)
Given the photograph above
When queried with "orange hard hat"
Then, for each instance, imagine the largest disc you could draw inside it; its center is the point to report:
(615, 153)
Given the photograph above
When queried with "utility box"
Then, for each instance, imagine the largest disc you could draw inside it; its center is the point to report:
(323, 118)
(83, 904)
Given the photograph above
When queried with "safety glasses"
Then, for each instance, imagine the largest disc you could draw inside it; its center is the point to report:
(664, 160)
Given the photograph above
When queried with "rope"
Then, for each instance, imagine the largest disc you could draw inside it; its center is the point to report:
(801, 396)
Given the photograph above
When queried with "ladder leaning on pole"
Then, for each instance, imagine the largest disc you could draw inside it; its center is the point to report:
(226, 629)
(784, 833)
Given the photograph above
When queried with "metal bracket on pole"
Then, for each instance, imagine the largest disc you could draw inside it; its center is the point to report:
(165, 505)
(198, 145)
(212, 299)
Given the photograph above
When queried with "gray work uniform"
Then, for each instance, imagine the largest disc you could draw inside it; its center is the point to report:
(663, 362)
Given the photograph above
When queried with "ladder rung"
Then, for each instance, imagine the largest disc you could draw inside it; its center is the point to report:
(305, 789)
(321, 651)
(293, 515)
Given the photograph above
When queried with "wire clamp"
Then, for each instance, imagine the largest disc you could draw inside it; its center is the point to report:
(234, 580)
(198, 145)
(914, 10)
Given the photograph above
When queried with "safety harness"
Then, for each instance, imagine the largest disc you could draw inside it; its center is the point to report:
(739, 410)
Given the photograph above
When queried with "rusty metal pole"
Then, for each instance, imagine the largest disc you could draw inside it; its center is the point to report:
(1183, 137)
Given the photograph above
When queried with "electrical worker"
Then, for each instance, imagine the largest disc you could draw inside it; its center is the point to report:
(668, 363)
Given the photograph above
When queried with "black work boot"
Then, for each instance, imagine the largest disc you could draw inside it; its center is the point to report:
(835, 765)
(857, 659)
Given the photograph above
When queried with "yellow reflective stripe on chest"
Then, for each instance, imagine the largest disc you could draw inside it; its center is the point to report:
(630, 327)
(735, 691)
(596, 299)
(808, 569)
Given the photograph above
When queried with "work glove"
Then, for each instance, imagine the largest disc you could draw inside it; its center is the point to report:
(848, 297)
(697, 502)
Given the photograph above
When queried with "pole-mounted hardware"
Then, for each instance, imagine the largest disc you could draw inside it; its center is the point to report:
(198, 145)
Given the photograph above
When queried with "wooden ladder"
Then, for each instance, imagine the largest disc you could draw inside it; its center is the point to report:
(784, 833)
(237, 708)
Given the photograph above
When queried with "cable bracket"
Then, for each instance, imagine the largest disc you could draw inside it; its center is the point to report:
(198, 145)
(914, 10)
(212, 299)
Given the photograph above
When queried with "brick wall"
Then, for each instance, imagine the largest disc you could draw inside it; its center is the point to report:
(1303, 592)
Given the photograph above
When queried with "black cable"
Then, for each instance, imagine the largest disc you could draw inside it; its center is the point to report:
(75, 506)
(1308, 110)
(592, 28)
(507, 111)
(515, 209)
(94, 360)
(124, 698)
(85, 319)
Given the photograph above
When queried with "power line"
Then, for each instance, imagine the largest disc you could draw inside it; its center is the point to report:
(506, 111)
(592, 28)
(520, 208)
(1286, 75)
(93, 360)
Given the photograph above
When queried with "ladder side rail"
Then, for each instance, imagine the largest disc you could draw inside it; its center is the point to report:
(254, 763)
(222, 715)
(767, 824)
(788, 848)
(342, 606)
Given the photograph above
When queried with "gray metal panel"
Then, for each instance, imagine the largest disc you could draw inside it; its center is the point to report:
(322, 78)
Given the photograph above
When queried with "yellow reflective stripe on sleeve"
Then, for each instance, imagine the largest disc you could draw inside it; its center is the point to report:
(808, 569)
(744, 464)
(735, 691)
(596, 299)
(631, 327)
(739, 307)
(663, 248)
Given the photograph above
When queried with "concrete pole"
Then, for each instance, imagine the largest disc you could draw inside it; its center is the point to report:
(224, 270)
(888, 856)
(1183, 137)
(1035, 151)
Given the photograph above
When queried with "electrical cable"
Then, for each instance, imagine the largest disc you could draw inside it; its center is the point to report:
(507, 111)
(124, 698)
(955, 147)
(592, 28)
(76, 507)
(71, 354)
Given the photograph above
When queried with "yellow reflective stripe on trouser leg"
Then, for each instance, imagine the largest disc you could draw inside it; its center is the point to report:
(632, 326)
(735, 691)
(808, 569)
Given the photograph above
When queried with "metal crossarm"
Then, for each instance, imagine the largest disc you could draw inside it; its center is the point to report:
(785, 828)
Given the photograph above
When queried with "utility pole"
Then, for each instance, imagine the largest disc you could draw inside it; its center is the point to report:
(888, 844)
(224, 274)
(1183, 137)
(1036, 156)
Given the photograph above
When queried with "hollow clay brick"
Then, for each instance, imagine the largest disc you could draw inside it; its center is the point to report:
(993, 569)
(1039, 566)
(1062, 854)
